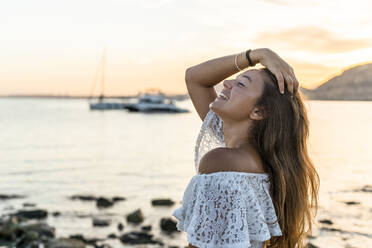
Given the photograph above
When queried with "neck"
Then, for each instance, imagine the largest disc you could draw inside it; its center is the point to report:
(236, 134)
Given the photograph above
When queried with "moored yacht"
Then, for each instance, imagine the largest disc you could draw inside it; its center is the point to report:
(154, 102)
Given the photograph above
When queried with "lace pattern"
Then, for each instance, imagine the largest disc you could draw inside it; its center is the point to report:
(210, 137)
(228, 209)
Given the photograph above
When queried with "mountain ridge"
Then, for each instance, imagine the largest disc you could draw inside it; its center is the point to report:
(354, 83)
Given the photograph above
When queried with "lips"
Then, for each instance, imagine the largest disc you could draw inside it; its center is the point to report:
(224, 95)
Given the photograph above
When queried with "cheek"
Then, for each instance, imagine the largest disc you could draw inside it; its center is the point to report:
(242, 100)
(240, 105)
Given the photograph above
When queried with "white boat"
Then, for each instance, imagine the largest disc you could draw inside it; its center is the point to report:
(150, 102)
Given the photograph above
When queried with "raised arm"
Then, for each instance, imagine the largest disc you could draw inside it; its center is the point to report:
(201, 79)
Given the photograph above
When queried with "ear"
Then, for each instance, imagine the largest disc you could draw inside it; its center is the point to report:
(258, 113)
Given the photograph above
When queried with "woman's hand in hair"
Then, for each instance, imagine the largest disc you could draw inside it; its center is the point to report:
(281, 69)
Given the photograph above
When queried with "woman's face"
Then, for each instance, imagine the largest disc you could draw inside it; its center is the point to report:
(241, 94)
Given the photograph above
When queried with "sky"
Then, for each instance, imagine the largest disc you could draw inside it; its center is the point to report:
(55, 47)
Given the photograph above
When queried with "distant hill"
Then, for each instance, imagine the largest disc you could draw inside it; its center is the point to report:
(353, 84)
(177, 97)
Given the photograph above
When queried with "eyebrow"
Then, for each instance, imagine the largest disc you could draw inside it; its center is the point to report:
(246, 76)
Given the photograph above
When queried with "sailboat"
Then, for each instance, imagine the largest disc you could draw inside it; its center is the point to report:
(101, 104)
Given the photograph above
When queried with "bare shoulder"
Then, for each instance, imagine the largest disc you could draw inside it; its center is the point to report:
(227, 159)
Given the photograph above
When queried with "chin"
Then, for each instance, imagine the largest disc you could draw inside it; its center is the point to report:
(217, 106)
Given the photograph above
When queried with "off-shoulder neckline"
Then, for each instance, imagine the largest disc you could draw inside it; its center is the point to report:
(217, 173)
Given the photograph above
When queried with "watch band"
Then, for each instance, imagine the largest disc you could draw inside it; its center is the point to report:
(248, 58)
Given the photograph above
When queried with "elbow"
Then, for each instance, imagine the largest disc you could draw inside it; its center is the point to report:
(188, 75)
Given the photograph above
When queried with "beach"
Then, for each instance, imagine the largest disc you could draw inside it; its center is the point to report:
(116, 162)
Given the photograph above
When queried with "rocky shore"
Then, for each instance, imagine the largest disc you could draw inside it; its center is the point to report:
(28, 228)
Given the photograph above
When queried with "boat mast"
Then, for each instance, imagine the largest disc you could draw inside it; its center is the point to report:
(103, 74)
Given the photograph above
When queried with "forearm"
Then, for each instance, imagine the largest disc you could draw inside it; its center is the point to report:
(211, 72)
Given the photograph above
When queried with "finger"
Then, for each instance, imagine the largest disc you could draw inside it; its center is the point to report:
(294, 80)
(295, 83)
(288, 66)
(280, 79)
(289, 80)
(295, 86)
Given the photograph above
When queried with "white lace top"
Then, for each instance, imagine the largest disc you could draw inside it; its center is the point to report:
(226, 209)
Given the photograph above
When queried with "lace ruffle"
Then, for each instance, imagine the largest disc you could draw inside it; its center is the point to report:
(210, 137)
(228, 209)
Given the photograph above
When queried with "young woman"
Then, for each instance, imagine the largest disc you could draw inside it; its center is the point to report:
(255, 185)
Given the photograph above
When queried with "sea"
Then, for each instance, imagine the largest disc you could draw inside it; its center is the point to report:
(54, 148)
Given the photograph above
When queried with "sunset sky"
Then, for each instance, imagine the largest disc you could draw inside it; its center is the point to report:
(55, 47)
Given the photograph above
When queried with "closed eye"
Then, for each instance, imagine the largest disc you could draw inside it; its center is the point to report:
(241, 83)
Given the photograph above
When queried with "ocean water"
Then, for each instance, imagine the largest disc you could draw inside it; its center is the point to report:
(52, 148)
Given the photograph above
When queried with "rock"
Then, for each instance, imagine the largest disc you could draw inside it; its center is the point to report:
(120, 227)
(57, 213)
(93, 241)
(146, 228)
(100, 201)
(103, 202)
(32, 235)
(101, 222)
(24, 235)
(31, 244)
(352, 202)
(42, 229)
(118, 198)
(137, 238)
(168, 225)
(80, 237)
(135, 217)
(331, 229)
(28, 204)
(367, 188)
(29, 239)
(345, 232)
(326, 221)
(112, 236)
(31, 214)
(11, 196)
(103, 246)
(38, 234)
(162, 202)
(83, 197)
(66, 243)
(310, 245)
(311, 236)
(9, 229)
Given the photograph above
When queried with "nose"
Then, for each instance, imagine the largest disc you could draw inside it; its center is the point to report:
(228, 83)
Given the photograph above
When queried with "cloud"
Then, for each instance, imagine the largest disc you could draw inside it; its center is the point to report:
(311, 38)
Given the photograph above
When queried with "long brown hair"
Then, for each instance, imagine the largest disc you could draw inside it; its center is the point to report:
(281, 140)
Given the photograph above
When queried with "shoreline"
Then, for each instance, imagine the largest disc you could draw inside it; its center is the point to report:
(29, 225)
